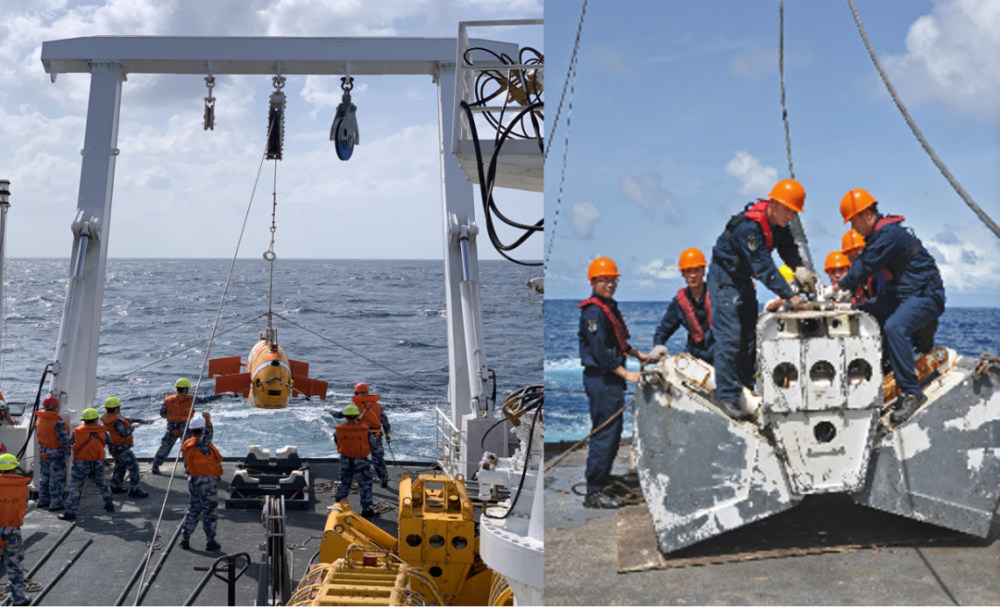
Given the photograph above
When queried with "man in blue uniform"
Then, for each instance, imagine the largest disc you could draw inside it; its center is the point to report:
(354, 440)
(176, 408)
(742, 253)
(914, 297)
(603, 349)
(692, 308)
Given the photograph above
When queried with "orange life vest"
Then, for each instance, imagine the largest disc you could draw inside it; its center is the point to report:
(371, 412)
(199, 464)
(179, 407)
(352, 440)
(45, 426)
(109, 424)
(13, 499)
(88, 443)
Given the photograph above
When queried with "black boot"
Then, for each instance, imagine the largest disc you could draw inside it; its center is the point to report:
(67, 516)
(732, 410)
(119, 490)
(213, 546)
(603, 500)
(109, 506)
(155, 470)
(185, 544)
(907, 406)
(368, 513)
(137, 493)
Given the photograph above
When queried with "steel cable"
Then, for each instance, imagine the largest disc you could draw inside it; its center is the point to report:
(916, 131)
(208, 350)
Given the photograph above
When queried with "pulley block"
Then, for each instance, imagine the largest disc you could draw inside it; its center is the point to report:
(276, 121)
(344, 132)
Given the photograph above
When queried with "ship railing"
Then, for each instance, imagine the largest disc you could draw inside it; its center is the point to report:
(519, 165)
(447, 439)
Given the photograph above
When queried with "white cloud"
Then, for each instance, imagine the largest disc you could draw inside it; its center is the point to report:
(648, 192)
(951, 58)
(965, 266)
(659, 269)
(584, 216)
(610, 61)
(756, 180)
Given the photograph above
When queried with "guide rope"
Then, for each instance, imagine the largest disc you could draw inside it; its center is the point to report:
(916, 131)
(201, 375)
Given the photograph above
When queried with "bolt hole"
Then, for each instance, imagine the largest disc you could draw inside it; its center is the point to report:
(824, 432)
(785, 375)
(435, 571)
(822, 372)
(436, 541)
(413, 539)
(858, 371)
(459, 542)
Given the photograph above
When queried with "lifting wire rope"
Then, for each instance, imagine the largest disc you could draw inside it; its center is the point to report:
(570, 84)
(798, 233)
(201, 375)
(916, 131)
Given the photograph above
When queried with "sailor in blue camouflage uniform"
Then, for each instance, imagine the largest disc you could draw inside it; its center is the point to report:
(176, 408)
(603, 351)
(373, 416)
(691, 308)
(914, 297)
(120, 430)
(742, 253)
(54, 445)
(354, 440)
(204, 466)
(13, 506)
(89, 439)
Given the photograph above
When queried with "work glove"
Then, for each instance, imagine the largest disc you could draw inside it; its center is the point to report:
(388, 438)
(842, 296)
(658, 352)
(806, 280)
(328, 410)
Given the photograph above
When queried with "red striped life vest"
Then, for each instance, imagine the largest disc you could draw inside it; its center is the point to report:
(621, 331)
(690, 318)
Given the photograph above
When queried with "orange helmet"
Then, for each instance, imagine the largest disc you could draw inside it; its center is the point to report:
(851, 240)
(602, 267)
(836, 260)
(789, 193)
(854, 202)
(361, 387)
(691, 258)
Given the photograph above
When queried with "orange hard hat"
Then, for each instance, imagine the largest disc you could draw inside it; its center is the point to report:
(361, 387)
(789, 193)
(851, 240)
(602, 267)
(691, 258)
(50, 401)
(836, 260)
(854, 202)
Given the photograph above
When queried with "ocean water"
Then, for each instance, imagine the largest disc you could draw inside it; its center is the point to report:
(392, 312)
(970, 331)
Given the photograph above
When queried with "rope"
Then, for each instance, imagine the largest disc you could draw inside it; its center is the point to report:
(121, 377)
(308, 330)
(916, 131)
(269, 255)
(208, 350)
(586, 438)
(571, 83)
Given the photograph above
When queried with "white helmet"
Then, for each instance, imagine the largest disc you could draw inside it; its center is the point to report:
(197, 422)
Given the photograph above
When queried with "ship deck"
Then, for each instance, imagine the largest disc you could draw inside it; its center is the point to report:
(825, 551)
(102, 571)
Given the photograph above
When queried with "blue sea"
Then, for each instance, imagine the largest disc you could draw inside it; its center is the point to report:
(392, 312)
(970, 331)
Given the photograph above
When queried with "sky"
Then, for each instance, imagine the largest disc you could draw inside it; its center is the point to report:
(676, 124)
(181, 191)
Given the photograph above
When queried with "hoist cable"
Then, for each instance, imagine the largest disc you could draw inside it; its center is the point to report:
(916, 131)
(798, 233)
(208, 350)
(570, 77)
(571, 84)
(270, 256)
